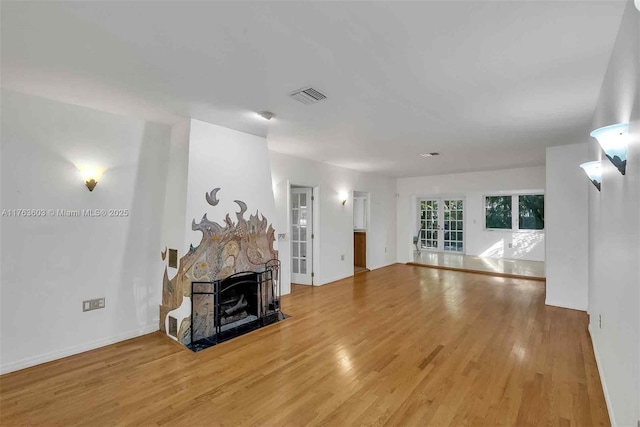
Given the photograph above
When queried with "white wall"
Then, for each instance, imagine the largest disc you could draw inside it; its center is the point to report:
(472, 187)
(614, 241)
(49, 265)
(175, 200)
(335, 220)
(237, 163)
(567, 226)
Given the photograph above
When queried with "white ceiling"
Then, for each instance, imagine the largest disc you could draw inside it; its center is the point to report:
(488, 84)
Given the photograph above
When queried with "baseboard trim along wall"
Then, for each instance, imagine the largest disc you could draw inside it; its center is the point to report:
(70, 351)
(603, 381)
(565, 305)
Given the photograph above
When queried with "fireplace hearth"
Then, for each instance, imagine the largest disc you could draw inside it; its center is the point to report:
(226, 308)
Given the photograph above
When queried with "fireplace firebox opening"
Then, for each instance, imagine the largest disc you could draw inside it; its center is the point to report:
(226, 308)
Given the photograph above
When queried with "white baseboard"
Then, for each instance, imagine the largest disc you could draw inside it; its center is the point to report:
(70, 351)
(564, 305)
(607, 399)
(382, 265)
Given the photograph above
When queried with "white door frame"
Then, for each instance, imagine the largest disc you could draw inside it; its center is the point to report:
(367, 205)
(440, 226)
(314, 246)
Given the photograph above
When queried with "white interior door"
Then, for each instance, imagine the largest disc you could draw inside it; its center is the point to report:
(442, 224)
(301, 243)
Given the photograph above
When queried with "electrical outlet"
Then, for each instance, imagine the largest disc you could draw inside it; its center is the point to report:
(385, 249)
(341, 257)
(93, 304)
(510, 245)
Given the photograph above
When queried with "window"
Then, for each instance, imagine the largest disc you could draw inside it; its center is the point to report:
(515, 212)
(497, 212)
(531, 212)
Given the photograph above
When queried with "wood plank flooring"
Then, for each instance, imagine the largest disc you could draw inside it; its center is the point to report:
(400, 345)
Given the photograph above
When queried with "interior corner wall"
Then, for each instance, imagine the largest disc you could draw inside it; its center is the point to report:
(566, 219)
(472, 187)
(334, 221)
(175, 201)
(614, 240)
(50, 264)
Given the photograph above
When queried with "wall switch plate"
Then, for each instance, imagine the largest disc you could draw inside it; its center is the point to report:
(93, 304)
(600, 321)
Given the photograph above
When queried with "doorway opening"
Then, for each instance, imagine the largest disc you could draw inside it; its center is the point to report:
(441, 224)
(361, 207)
(302, 235)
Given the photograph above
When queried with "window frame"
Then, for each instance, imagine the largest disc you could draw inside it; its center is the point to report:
(515, 211)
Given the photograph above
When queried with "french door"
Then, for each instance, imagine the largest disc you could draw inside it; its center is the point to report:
(441, 224)
(301, 243)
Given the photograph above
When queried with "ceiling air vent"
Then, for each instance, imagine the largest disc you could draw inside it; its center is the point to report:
(308, 95)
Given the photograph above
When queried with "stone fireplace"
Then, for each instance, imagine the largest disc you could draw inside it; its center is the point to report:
(226, 308)
(227, 285)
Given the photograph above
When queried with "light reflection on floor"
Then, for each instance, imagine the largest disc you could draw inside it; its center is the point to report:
(493, 265)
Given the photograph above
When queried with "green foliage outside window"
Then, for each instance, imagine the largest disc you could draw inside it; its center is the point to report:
(498, 212)
(531, 212)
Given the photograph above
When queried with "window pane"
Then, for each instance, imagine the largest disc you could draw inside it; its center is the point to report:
(531, 212)
(497, 212)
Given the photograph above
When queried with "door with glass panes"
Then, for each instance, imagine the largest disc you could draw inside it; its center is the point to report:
(441, 222)
(301, 243)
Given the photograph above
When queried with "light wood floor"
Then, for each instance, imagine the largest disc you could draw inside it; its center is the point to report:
(401, 345)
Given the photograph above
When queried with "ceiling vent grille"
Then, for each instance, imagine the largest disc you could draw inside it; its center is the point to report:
(308, 95)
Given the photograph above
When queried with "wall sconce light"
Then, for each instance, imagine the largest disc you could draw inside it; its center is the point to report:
(594, 172)
(90, 175)
(266, 115)
(343, 197)
(613, 139)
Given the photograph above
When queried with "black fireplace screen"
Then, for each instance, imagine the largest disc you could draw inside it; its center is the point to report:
(242, 302)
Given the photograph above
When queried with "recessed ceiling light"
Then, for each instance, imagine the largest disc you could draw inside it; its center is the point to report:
(430, 154)
(267, 115)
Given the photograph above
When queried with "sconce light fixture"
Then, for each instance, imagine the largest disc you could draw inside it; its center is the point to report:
(594, 172)
(613, 139)
(267, 115)
(90, 175)
(343, 197)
